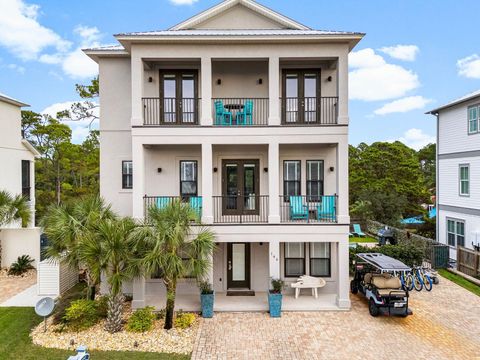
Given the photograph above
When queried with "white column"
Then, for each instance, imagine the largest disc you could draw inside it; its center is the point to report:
(274, 259)
(138, 191)
(273, 183)
(274, 90)
(207, 184)
(342, 181)
(210, 270)
(137, 90)
(32, 194)
(343, 294)
(342, 89)
(138, 293)
(206, 74)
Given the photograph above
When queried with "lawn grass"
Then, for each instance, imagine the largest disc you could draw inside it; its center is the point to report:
(457, 279)
(365, 239)
(15, 342)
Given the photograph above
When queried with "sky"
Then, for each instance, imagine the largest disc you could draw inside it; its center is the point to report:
(416, 55)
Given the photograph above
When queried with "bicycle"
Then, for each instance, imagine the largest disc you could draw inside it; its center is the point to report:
(421, 279)
(406, 278)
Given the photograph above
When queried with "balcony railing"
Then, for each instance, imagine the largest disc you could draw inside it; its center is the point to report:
(240, 111)
(309, 110)
(162, 201)
(232, 209)
(170, 111)
(308, 209)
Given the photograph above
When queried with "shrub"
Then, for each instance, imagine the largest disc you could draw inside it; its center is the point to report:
(141, 320)
(102, 306)
(184, 320)
(161, 314)
(277, 286)
(205, 288)
(21, 266)
(82, 314)
(77, 292)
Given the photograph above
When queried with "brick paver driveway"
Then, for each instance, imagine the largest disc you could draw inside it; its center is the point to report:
(445, 325)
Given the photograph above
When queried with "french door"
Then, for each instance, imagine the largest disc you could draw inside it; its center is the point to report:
(301, 96)
(238, 265)
(179, 97)
(240, 187)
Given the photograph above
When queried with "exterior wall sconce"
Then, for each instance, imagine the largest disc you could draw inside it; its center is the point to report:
(332, 169)
(260, 81)
(219, 81)
(150, 79)
(265, 169)
(159, 170)
(215, 169)
(329, 79)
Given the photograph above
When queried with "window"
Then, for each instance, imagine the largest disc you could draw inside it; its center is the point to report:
(188, 178)
(294, 259)
(320, 259)
(127, 175)
(473, 120)
(455, 232)
(291, 178)
(464, 179)
(26, 179)
(314, 180)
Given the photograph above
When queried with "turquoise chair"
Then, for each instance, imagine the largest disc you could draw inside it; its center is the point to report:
(298, 210)
(222, 116)
(162, 202)
(245, 116)
(326, 210)
(196, 204)
(357, 230)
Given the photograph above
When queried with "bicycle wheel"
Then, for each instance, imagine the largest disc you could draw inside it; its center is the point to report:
(417, 283)
(409, 282)
(427, 282)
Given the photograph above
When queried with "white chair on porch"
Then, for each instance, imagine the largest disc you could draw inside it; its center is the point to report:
(308, 282)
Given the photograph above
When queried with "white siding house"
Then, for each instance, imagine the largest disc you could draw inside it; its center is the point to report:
(458, 172)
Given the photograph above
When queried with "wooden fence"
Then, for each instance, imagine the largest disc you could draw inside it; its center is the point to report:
(468, 261)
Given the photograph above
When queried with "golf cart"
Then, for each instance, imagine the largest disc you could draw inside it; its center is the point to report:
(376, 278)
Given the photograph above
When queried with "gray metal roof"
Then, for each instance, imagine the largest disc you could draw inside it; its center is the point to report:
(457, 101)
(383, 262)
(260, 32)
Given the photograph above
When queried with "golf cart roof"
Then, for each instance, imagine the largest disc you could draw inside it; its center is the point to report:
(383, 262)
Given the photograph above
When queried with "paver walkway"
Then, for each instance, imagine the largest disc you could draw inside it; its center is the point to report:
(12, 285)
(445, 325)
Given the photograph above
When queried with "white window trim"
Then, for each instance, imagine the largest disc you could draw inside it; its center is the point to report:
(460, 193)
(477, 120)
(456, 221)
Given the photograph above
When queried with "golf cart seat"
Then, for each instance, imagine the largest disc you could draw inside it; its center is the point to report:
(385, 286)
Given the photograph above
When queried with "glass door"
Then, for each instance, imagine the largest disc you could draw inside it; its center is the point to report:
(178, 97)
(301, 96)
(240, 187)
(238, 265)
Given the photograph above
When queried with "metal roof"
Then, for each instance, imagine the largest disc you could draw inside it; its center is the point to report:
(11, 100)
(383, 262)
(260, 32)
(460, 100)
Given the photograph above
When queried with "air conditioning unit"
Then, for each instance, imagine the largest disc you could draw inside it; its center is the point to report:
(475, 236)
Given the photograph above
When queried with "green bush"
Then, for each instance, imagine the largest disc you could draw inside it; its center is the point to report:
(184, 320)
(141, 320)
(77, 292)
(161, 314)
(82, 314)
(21, 266)
(102, 306)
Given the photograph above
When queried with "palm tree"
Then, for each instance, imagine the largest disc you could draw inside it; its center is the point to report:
(117, 249)
(14, 208)
(163, 246)
(71, 229)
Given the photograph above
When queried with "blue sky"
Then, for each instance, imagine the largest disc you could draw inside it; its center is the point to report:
(438, 58)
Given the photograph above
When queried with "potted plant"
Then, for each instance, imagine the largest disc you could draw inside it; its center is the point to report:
(275, 297)
(207, 298)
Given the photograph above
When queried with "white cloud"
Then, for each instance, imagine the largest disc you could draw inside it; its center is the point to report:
(469, 66)
(403, 105)
(80, 128)
(416, 139)
(373, 79)
(17, 68)
(401, 52)
(183, 2)
(22, 34)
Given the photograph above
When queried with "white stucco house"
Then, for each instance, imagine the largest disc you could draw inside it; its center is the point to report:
(17, 156)
(458, 173)
(242, 112)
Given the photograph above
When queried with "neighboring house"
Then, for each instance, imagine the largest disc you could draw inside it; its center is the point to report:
(242, 112)
(458, 173)
(17, 156)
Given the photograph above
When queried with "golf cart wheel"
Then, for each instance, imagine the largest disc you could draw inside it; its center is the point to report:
(353, 287)
(373, 308)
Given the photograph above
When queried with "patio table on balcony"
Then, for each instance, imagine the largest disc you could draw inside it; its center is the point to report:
(234, 109)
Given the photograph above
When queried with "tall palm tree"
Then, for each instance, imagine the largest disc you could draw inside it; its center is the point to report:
(118, 262)
(70, 228)
(163, 246)
(14, 208)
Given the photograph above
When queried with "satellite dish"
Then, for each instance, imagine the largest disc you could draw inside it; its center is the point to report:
(44, 307)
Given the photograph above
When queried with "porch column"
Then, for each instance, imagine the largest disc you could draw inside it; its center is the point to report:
(206, 77)
(273, 183)
(138, 191)
(210, 270)
(138, 293)
(137, 90)
(342, 181)
(343, 292)
(274, 90)
(342, 88)
(274, 259)
(207, 184)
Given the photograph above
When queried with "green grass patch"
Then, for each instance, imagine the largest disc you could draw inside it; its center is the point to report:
(365, 239)
(457, 279)
(15, 342)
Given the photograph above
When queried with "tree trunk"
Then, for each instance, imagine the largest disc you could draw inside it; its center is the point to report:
(114, 313)
(58, 184)
(169, 309)
(91, 287)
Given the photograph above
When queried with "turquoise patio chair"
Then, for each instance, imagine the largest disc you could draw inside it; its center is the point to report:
(222, 116)
(196, 204)
(298, 210)
(245, 116)
(326, 210)
(357, 230)
(163, 201)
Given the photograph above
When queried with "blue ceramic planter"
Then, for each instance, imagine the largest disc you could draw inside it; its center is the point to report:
(207, 301)
(275, 304)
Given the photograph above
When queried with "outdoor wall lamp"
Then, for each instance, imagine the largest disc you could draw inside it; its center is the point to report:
(215, 169)
(150, 79)
(159, 170)
(265, 169)
(329, 79)
(260, 81)
(219, 81)
(332, 169)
